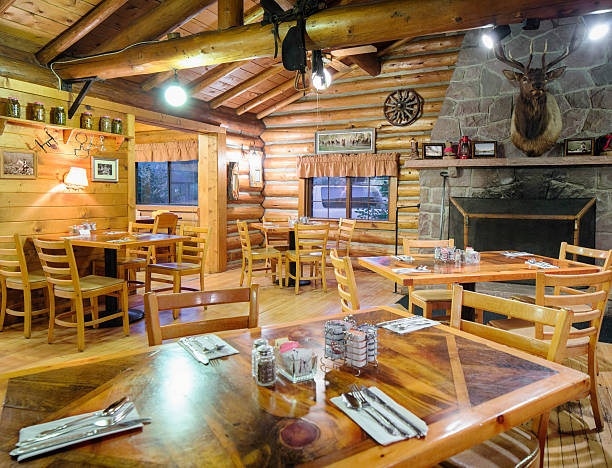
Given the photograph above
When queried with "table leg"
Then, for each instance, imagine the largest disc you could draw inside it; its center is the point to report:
(110, 270)
(468, 313)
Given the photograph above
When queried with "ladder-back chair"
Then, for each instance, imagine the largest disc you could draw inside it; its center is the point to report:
(310, 249)
(156, 302)
(165, 223)
(63, 281)
(14, 274)
(347, 287)
(250, 255)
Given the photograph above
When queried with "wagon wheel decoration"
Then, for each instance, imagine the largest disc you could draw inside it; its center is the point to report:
(403, 107)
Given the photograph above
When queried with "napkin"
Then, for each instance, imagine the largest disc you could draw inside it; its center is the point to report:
(405, 271)
(209, 342)
(374, 430)
(517, 254)
(408, 324)
(544, 265)
(403, 258)
(32, 431)
(125, 239)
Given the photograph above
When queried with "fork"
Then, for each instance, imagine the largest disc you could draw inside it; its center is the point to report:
(356, 391)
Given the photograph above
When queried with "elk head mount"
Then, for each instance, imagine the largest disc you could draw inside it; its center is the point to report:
(536, 118)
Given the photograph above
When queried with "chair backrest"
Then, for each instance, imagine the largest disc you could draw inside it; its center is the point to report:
(560, 319)
(410, 244)
(195, 249)
(245, 239)
(605, 256)
(588, 305)
(58, 263)
(346, 228)
(145, 251)
(166, 222)
(156, 302)
(347, 287)
(13, 263)
(311, 238)
(275, 238)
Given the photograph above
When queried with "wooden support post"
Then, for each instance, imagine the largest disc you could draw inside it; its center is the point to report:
(230, 13)
(78, 30)
(131, 165)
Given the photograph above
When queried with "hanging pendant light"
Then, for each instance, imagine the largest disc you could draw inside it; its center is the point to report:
(175, 94)
(321, 78)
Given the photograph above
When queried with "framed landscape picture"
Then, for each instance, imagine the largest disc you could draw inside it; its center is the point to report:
(345, 141)
(433, 150)
(579, 147)
(484, 149)
(104, 170)
(18, 164)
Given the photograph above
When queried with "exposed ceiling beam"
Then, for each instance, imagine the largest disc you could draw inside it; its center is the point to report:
(339, 66)
(369, 63)
(4, 4)
(229, 13)
(155, 23)
(211, 76)
(245, 85)
(281, 88)
(331, 28)
(367, 49)
(78, 30)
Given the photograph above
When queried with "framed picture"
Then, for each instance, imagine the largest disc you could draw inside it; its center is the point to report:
(433, 150)
(104, 170)
(484, 149)
(233, 181)
(18, 164)
(579, 147)
(255, 170)
(345, 141)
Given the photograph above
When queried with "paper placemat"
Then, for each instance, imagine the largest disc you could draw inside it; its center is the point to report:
(375, 430)
(543, 265)
(516, 254)
(403, 258)
(405, 271)
(125, 239)
(207, 344)
(408, 324)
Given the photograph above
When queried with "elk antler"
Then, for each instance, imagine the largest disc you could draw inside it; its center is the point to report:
(501, 56)
(570, 49)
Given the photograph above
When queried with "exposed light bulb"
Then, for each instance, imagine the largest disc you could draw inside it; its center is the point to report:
(487, 40)
(598, 31)
(321, 82)
(175, 95)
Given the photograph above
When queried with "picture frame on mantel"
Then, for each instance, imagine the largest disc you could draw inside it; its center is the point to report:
(579, 147)
(484, 149)
(432, 150)
(359, 140)
(16, 163)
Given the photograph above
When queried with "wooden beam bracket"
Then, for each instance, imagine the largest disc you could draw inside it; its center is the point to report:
(77, 102)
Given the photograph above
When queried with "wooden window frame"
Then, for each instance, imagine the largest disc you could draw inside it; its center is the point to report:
(168, 163)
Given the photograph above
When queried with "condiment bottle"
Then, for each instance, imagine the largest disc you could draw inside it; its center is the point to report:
(256, 344)
(105, 124)
(117, 127)
(58, 116)
(38, 112)
(13, 109)
(87, 121)
(266, 366)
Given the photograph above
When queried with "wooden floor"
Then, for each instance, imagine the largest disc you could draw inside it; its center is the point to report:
(571, 442)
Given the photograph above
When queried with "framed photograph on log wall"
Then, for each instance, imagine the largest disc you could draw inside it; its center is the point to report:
(579, 147)
(360, 140)
(255, 169)
(432, 150)
(233, 181)
(104, 170)
(18, 164)
(484, 149)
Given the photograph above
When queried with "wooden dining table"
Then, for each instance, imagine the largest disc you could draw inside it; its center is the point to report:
(467, 390)
(112, 242)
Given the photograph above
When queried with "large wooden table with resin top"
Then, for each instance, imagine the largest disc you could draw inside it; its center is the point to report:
(216, 415)
(493, 266)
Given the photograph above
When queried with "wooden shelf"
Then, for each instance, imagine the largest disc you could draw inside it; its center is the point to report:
(67, 132)
(510, 162)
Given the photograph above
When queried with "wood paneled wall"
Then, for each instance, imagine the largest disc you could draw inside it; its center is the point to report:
(356, 101)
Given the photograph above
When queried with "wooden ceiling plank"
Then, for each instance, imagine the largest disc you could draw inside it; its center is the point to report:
(245, 85)
(230, 13)
(287, 85)
(346, 26)
(339, 66)
(4, 4)
(82, 27)
(211, 76)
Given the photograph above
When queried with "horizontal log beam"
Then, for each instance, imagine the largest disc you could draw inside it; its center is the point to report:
(248, 198)
(280, 190)
(280, 176)
(229, 13)
(280, 163)
(331, 28)
(4, 4)
(281, 203)
(235, 212)
(243, 140)
(78, 30)
(422, 46)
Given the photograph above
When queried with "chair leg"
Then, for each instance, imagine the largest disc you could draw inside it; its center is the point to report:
(540, 427)
(298, 276)
(593, 391)
(27, 312)
(94, 310)
(148, 280)
(51, 316)
(323, 280)
(287, 272)
(201, 281)
(176, 288)
(428, 311)
(250, 271)
(80, 318)
(279, 271)
(3, 304)
(242, 270)
(124, 308)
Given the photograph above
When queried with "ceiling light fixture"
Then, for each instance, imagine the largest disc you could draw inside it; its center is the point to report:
(321, 78)
(598, 31)
(175, 94)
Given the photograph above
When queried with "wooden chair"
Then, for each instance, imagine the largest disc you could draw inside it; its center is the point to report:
(165, 222)
(347, 287)
(428, 299)
(310, 249)
(277, 240)
(14, 274)
(61, 272)
(559, 321)
(344, 235)
(249, 255)
(154, 303)
(585, 305)
(191, 260)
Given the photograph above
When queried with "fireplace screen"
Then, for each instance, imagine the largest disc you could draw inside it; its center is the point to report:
(536, 226)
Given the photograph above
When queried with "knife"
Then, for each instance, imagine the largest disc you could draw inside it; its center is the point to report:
(392, 410)
(199, 355)
(76, 437)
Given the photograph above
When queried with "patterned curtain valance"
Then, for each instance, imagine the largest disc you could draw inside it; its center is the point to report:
(181, 150)
(348, 165)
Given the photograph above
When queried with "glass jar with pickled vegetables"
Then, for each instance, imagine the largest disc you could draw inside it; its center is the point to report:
(58, 116)
(87, 121)
(13, 109)
(105, 124)
(117, 127)
(38, 112)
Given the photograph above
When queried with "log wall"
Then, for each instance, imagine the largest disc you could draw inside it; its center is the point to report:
(356, 101)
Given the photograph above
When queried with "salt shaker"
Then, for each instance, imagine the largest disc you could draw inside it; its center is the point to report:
(256, 344)
(266, 366)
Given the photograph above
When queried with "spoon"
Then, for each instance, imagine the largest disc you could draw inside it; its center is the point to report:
(353, 403)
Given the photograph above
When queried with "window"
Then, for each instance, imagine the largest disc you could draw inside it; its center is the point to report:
(167, 183)
(350, 197)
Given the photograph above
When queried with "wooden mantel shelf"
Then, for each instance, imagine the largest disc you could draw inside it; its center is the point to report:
(67, 132)
(510, 162)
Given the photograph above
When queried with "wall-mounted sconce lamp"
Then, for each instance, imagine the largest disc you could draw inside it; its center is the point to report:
(76, 178)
